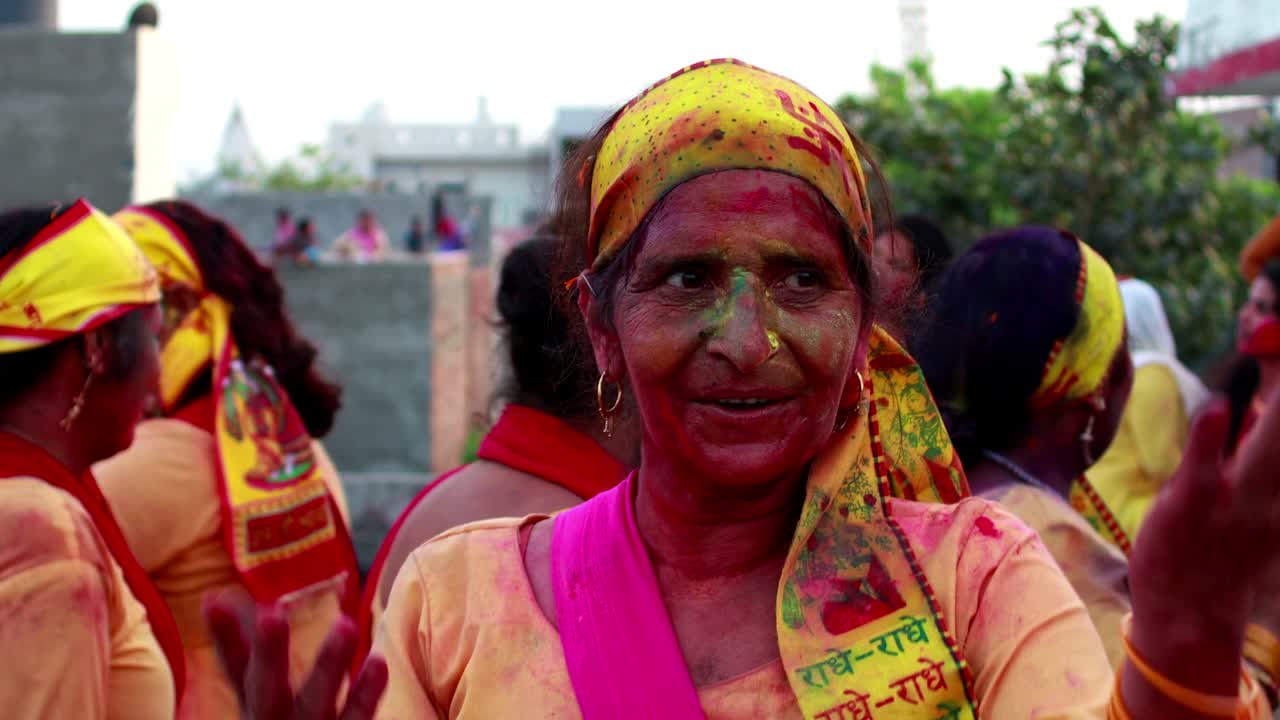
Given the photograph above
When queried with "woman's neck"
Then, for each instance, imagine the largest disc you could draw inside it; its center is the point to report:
(38, 425)
(719, 533)
(1046, 465)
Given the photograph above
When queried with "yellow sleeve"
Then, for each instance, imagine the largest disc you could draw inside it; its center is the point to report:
(163, 491)
(1146, 450)
(1160, 425)
(403, 639)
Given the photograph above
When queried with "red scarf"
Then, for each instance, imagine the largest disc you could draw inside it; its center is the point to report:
(523, 439)
(19, 458)
(200, 413)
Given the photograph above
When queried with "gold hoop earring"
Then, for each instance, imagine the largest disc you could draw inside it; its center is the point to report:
(607, 412)
(864, 402)
(859, 408)
(1086, 437)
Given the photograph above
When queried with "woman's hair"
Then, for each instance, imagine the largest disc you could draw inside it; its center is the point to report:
(539, 336)
(1240, 376)
(21, 370)
(259, 322)
(1000, 309)
(570, 221)
(931, 247)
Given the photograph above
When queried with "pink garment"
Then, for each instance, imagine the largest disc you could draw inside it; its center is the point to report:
(621, 652)
(366, 242)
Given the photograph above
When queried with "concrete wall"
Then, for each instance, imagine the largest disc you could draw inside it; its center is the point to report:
(371, 324)
(450, 276)
(66, 127)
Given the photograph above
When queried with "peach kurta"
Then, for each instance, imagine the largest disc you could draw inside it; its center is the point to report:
(164, 492)
(74, 642)
(465, 638)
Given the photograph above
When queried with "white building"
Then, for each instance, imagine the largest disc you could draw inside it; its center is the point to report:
(484, 157)
(1229, 47)
(1229, 65)
(237, 152)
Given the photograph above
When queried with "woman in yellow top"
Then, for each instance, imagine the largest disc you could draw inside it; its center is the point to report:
(762, 562)
(228, 488)
(83, 633)
(1153, 430)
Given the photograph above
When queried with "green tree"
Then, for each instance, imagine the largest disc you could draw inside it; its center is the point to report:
(1092, 144)
(313, 170)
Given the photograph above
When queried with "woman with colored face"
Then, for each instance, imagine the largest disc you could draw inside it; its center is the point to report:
(85, 634)
(1258, 344)
(781, 551)
(227, 489)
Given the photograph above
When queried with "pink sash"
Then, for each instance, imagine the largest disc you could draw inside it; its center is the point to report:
(621, 651)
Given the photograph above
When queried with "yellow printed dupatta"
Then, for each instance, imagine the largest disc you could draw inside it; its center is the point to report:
(859, 631)
(281, 524)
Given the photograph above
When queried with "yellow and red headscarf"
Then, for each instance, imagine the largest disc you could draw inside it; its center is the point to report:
(1079, 363)
(719, 115)
(1078, 368)
(281, 524)
(77, 274)
(857, 621)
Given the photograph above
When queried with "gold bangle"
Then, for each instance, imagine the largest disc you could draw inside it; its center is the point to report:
(1203, 703)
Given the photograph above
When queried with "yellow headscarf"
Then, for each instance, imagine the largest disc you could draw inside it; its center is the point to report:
(78, 273)
(1078, 367)
(282, 528)
(719, 115)
(858, 627)
(1078, 364)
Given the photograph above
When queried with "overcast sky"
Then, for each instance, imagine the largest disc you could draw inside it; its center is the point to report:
(295, 66)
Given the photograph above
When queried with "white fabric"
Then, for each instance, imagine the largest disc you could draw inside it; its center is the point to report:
(1151, 341)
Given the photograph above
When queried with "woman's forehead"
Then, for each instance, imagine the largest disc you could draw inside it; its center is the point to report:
(726, 208)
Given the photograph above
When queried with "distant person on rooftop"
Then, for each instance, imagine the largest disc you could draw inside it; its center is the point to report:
(284, 229)
(364, 242)
(446, 228)
(301, 245)
(415, 241)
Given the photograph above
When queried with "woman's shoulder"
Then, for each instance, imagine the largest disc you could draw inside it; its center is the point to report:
(479, 492)
(41, 524)
(934, 526)
(171, 456)
(484, 541)
(165, 441)
(460, 569)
